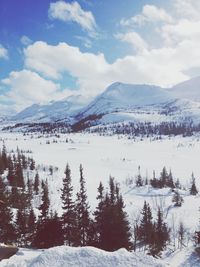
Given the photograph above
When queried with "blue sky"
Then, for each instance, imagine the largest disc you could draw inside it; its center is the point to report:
(52, 49)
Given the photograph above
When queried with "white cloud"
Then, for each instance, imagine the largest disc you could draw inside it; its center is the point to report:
(53, 61)
(25, 40)
(164, 66)
(3, 52)
(150, 13)
(134, 39)
(177, 55)
(73, 12)
(27, 87)
(187, 8)
(183, 29)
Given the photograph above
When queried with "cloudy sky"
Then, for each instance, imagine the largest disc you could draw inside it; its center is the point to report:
(52, 49)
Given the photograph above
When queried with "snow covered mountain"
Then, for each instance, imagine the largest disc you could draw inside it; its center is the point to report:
(189, 89)
(140, 103)
(53, 111)
(122, 102)
(120, 97)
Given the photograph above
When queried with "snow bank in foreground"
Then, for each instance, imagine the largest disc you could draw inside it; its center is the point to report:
(80, 257)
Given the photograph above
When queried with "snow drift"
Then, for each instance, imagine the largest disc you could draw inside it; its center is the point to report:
(64, 256)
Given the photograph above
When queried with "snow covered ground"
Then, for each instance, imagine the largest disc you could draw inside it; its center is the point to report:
(102, 156)
(92, 257)
(79, 257)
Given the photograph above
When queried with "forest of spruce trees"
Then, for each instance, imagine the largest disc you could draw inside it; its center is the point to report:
(107, 227)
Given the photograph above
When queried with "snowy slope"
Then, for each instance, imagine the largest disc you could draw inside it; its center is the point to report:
(79, 257)
(189, 89)
(141, 103)
(119, 96)
(123, 102)
(53, 111)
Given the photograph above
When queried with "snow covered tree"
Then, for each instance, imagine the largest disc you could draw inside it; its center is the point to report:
(83, 214)
(69, 215)
(193, 189)
(177, 199)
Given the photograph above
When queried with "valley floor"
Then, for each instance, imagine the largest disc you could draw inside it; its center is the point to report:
(102, 156)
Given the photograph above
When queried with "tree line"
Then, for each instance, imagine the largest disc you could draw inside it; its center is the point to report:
(146, 129)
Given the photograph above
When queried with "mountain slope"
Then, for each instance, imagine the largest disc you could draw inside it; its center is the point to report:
(53, 111)
(119, 97)
(189, 89)
(122, 102)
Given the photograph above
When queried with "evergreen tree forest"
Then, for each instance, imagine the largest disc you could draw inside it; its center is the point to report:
(108, 227)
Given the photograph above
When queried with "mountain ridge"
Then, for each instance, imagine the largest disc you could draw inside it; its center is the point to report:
(119, 102)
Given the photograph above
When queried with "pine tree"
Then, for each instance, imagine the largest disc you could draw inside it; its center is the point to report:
(69, 216)
(36, 184)
(49, 233)
(11, 173)
(170, 181)
(154, 182)
(4, 157)
(139, 181)
(98, 215)
(1, 164)
(31, 225)
(30, 187)
(177, 199)
(193, 189)
(112, 194)
(161, 234)
(32, 164)
(7, 231)
(123, 226)
(21, 226)
(23, 205)
(146, 226)
(181, 234)
(44, 207)
(163, 178)
(24, 162)
(19, 175)
(82, 209)
(113, 224)
(14, 199)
